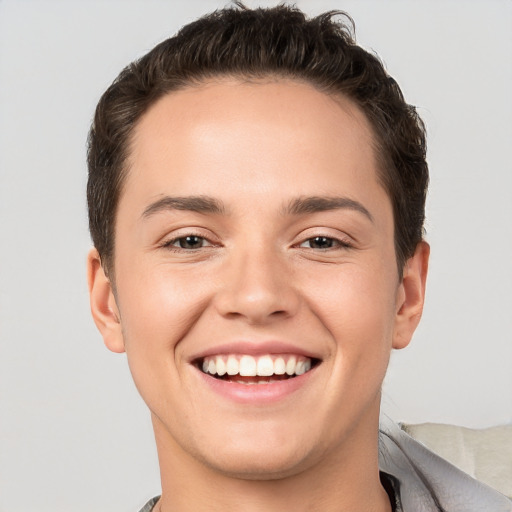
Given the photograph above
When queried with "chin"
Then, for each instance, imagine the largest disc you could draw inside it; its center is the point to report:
(260, 459)
(257, 466)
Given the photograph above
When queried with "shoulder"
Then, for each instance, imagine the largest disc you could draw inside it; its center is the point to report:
(427, 482)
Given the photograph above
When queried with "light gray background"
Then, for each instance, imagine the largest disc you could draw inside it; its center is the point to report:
(74, 435)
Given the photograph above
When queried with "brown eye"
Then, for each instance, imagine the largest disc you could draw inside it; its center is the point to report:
(321, 242)
(325, 243)
(189, 242)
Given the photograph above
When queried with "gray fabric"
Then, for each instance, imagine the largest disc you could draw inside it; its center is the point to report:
(148, 507)
(485, 454)
(423, 481)
(428, 483)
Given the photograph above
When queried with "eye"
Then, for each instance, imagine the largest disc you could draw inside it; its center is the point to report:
(324, 242)
(188, 242)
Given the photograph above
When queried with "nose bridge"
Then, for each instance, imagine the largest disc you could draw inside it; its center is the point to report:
(256, 284)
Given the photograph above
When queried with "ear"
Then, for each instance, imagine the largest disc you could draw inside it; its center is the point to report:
(411, 296)
(103, 304)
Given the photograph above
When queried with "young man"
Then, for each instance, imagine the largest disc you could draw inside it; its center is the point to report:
(256, 199)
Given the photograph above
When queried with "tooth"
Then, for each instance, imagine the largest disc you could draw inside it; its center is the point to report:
(247, 383)
(247, 366)
(232, 365)
(263, 382)
(299, 369)
(221, 365)
(265, 366)
(279, 366)
(290, 365)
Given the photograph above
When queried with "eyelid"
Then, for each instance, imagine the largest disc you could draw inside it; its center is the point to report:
(338, 243)
(173, 237)
(342, 239)
(173, 241)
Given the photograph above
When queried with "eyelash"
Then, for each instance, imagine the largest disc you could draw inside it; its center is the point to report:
(170, 244)
(336, 243)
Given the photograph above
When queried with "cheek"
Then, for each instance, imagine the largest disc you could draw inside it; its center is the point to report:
(357, 295)
(157, 311)
(357, 309)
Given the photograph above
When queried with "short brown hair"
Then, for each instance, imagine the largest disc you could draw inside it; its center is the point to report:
(258, 43)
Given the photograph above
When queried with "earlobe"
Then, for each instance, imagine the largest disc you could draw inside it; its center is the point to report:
(411, 296)
(103, 304)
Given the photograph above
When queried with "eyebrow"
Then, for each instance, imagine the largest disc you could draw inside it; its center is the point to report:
(199, 204)
(304, 205)
(298, 206)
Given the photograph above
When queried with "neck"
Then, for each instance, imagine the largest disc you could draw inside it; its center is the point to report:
(346, 479)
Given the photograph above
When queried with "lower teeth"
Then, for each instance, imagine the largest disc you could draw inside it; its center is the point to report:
(254, 380)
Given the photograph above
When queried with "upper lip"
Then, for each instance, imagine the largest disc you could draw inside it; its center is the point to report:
(258, 348)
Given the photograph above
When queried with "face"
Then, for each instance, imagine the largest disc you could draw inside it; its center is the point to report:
(257, 294)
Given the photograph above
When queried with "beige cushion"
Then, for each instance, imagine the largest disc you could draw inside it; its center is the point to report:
(484, 454)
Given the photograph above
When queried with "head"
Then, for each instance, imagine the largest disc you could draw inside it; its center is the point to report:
(256, 192)
(255, 44)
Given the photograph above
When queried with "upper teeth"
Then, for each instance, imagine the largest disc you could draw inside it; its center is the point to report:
(249, 366)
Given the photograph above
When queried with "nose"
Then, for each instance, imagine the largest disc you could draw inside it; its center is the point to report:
(257, 286)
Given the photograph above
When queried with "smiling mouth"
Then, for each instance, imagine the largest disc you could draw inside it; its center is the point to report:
(247, 369)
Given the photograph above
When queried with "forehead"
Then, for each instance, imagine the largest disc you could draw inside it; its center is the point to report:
(279, 125)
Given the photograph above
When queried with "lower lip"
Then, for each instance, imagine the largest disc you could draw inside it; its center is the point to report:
(257, 393)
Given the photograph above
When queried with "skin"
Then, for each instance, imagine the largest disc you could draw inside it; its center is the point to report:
(258, 274)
